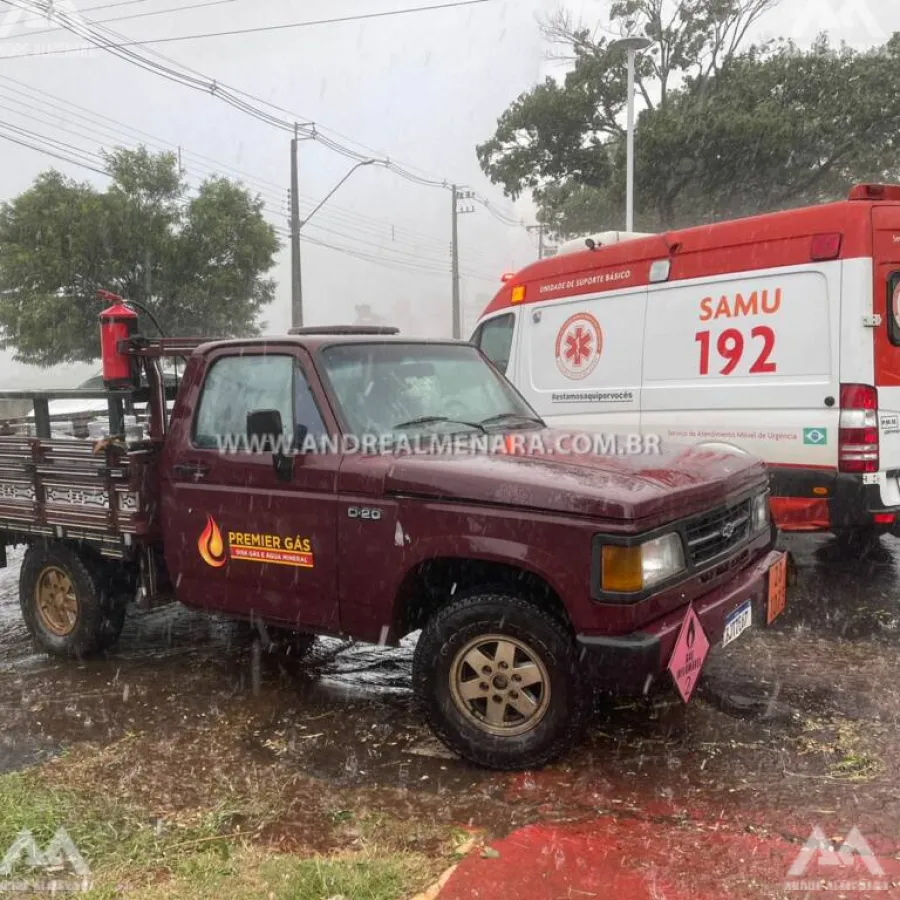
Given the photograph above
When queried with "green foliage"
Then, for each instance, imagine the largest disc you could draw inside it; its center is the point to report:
(724, 130)
(198, 263)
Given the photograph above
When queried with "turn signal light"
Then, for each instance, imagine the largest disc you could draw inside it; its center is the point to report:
(623, 569)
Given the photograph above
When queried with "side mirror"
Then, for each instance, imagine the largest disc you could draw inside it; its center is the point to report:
(265, 434)
(264, 427)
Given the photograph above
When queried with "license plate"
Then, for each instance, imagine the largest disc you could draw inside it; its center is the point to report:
(777, 589)
(738, 622)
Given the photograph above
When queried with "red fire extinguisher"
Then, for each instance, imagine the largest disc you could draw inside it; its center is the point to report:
(117, 323)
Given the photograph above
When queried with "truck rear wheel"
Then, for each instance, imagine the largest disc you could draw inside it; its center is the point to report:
(65, 604)
(500, 681)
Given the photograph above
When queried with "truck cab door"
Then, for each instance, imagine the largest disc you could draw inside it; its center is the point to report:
(241, 536)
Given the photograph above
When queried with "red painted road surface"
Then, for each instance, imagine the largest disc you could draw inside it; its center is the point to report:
(657, 858)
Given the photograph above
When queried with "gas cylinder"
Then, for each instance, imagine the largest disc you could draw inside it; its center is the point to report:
(117, 323)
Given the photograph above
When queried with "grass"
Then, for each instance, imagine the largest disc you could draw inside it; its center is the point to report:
(130, 852)
(843, 745)
(353, 876)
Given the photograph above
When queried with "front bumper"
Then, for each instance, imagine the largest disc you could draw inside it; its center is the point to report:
(629, 664)
(815, 500)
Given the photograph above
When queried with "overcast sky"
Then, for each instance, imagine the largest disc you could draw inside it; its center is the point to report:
(422, 88)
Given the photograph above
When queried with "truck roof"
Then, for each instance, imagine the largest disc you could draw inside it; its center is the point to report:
(319, 339)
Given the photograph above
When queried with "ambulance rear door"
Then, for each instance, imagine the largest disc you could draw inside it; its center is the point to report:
(886, 304)
(748, 362)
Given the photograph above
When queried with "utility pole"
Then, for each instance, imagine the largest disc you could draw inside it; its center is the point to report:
(454, 264)
(454, 252)
(540, 233)
(296, 273)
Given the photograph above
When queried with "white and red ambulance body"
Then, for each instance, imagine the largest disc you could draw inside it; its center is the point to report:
(777, 335)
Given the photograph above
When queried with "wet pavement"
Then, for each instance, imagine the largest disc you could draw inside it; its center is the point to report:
(792, 728)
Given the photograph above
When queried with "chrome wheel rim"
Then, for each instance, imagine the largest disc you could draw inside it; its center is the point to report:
(500, 685)
(56, 601)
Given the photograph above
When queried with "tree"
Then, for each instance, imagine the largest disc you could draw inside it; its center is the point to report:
(196, 262)
(725, 129)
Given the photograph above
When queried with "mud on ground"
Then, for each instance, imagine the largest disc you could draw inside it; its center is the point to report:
(793, 727)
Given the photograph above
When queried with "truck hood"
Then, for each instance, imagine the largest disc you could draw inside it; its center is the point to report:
(673, 484)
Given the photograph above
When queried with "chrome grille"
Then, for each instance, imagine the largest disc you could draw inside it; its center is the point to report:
(717, 533)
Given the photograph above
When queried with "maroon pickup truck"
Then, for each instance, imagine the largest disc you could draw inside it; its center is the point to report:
(355, 483)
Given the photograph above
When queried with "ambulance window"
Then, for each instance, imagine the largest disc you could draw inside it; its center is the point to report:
(893, 316)
(494, 337)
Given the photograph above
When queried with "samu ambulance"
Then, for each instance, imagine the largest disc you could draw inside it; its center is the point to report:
(776, 336)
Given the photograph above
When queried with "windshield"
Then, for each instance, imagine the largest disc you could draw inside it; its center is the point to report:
(386, 389)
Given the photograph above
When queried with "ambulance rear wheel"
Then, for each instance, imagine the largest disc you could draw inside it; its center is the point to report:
(65, 603)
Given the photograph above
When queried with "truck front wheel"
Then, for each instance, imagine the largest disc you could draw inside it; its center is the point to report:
(65, 603)
(500, 681)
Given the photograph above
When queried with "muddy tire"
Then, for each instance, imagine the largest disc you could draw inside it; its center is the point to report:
(65, 604)
(499, 681)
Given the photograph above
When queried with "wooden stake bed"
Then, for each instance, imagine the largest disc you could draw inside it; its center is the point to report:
(77, 490)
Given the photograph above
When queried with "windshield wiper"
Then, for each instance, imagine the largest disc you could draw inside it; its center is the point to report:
(433, 420)
(502, 417)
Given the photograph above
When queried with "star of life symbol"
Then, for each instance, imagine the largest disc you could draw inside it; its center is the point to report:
(62, 866)
(579, 344)
(819, 856)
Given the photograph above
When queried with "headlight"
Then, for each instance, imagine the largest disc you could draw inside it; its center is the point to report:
(631, 569)
(759, 516)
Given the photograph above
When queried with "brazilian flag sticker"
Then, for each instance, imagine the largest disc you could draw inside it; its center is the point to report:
(815, 437)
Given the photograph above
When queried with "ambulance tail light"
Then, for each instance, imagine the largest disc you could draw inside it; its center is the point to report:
(858, 432)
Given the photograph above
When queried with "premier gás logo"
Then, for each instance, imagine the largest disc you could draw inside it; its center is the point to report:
(578, 346)
(249, 546)
(211, 545)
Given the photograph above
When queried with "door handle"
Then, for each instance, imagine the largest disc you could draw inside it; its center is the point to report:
(193, 471)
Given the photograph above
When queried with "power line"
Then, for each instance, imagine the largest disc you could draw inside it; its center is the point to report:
(198, 81)
(130, 16)
(259, 29)
(48, 152)
(85, 159)
(275, 196)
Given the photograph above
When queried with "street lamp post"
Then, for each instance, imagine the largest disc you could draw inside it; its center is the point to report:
(632, 45)
(297, 223)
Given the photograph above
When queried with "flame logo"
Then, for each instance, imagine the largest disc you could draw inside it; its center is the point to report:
(211, 545)
(691, 633)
